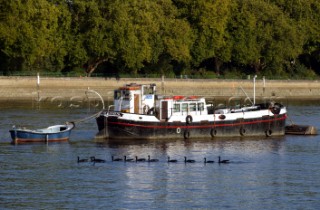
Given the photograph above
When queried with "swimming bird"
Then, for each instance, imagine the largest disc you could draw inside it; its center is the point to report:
(96, 160)
(127, 159)
(188, 161)
(171, 161)
(223, 161)
(82, 160)
(116, 159)
(208, 161)
(152, 160)
(140, 159)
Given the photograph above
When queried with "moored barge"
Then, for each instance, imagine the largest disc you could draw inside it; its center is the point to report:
(139, 113)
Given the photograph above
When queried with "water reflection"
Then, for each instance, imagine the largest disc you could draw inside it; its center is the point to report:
(198, 146)
(268, 173)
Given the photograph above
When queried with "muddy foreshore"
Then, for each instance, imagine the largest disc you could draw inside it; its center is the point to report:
(66, 89)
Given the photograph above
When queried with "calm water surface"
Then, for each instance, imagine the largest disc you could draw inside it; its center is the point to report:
(264, 173)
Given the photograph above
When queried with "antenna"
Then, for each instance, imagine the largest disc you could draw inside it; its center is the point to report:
(93, 91)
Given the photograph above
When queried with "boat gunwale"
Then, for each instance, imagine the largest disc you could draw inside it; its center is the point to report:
(69, 127)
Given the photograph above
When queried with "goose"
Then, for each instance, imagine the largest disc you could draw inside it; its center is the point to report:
(82, 160)
(152, 160)
(223, 161)
(188, 161)
(208, 161)
(96, 160)
(116, 159)
(140, 159)
(171, 161)
(127, 159)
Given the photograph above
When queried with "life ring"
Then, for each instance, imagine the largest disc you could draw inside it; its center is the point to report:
(178, 130)
(186, 134)
(188, 119)
(146, 109)
(242, 131)
(222, 117)
(268, 132)
(213, 132)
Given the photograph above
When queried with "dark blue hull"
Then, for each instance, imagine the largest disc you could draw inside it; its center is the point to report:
(29, 136)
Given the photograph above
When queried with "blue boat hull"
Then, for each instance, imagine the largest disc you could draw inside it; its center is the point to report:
(29, 136)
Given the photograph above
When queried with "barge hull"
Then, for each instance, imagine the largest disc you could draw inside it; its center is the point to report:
(115, 128)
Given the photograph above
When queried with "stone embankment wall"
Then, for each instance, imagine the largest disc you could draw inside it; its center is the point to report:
(26, 88)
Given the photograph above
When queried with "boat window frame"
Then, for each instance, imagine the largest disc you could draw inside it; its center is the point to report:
(184, 107)
(147, 90)
(126, 95)
(193, 107)
(200, 106)
(176, 107)
(117, 94)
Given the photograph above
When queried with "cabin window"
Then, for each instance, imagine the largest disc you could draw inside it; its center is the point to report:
(117, 95)
(193, 107)
(200, 106)
(147, 90)
(176, 107)
(184, 107)
(127, 95)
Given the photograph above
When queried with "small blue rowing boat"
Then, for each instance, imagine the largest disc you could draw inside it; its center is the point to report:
(55, 133)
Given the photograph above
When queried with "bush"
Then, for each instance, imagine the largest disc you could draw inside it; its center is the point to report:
(302, 72)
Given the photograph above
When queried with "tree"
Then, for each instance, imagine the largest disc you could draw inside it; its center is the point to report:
(208, 20)
(145, 30)
(306, 14)
(91, 42)
(132, 33)
(263, 36)
(28, 34)
(266, 37)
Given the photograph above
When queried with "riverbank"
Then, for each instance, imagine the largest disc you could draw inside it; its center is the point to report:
(26, 88)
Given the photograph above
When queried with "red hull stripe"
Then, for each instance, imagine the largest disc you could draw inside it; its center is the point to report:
(39, 140)
(199, 126)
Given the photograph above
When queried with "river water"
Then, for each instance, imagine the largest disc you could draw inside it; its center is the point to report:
(264, 173)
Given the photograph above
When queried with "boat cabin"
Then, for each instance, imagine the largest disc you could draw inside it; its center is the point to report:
(134, 98)
(142, 99)
(182, 106)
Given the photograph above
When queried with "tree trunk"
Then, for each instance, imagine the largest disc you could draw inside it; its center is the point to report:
(258, 66)
(92, 66)
(217, 65)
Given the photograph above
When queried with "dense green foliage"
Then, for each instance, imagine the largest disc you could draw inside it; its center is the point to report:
(275, 38)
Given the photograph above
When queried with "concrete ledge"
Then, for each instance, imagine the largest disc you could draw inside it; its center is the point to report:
(25, 88)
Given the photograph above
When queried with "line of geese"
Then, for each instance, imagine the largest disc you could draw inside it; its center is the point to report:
(126, 159)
